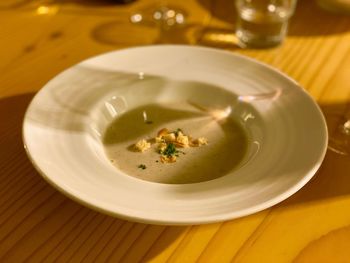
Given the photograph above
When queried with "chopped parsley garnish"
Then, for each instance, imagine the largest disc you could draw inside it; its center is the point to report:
(170, 150)
(142, 166)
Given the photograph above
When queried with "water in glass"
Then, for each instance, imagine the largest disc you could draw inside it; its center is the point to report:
(262, 24)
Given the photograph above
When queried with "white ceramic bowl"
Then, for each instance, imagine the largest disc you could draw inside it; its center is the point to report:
(65, 121)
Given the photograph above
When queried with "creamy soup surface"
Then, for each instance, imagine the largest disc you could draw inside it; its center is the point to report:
(226, 148)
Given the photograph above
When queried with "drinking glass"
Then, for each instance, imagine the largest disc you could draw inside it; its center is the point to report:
(339, 140)
(163, 14)
(263, 23)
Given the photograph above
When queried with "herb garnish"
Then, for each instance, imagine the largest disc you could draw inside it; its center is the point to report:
(142, 166)
(170, 150)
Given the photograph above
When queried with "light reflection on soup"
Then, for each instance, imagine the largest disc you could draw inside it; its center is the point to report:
(227, 144)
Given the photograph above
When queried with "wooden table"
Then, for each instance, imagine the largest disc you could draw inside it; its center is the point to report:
(39, 39)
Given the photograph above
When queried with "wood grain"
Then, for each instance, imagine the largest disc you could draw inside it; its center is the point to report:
(39, 224)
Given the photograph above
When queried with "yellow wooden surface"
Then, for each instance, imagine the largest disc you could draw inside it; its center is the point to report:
(38, 39)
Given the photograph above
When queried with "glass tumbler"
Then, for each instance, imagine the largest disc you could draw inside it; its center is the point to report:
(263, 23)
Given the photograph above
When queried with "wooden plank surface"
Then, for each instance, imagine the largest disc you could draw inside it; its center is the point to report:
(39, 224)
